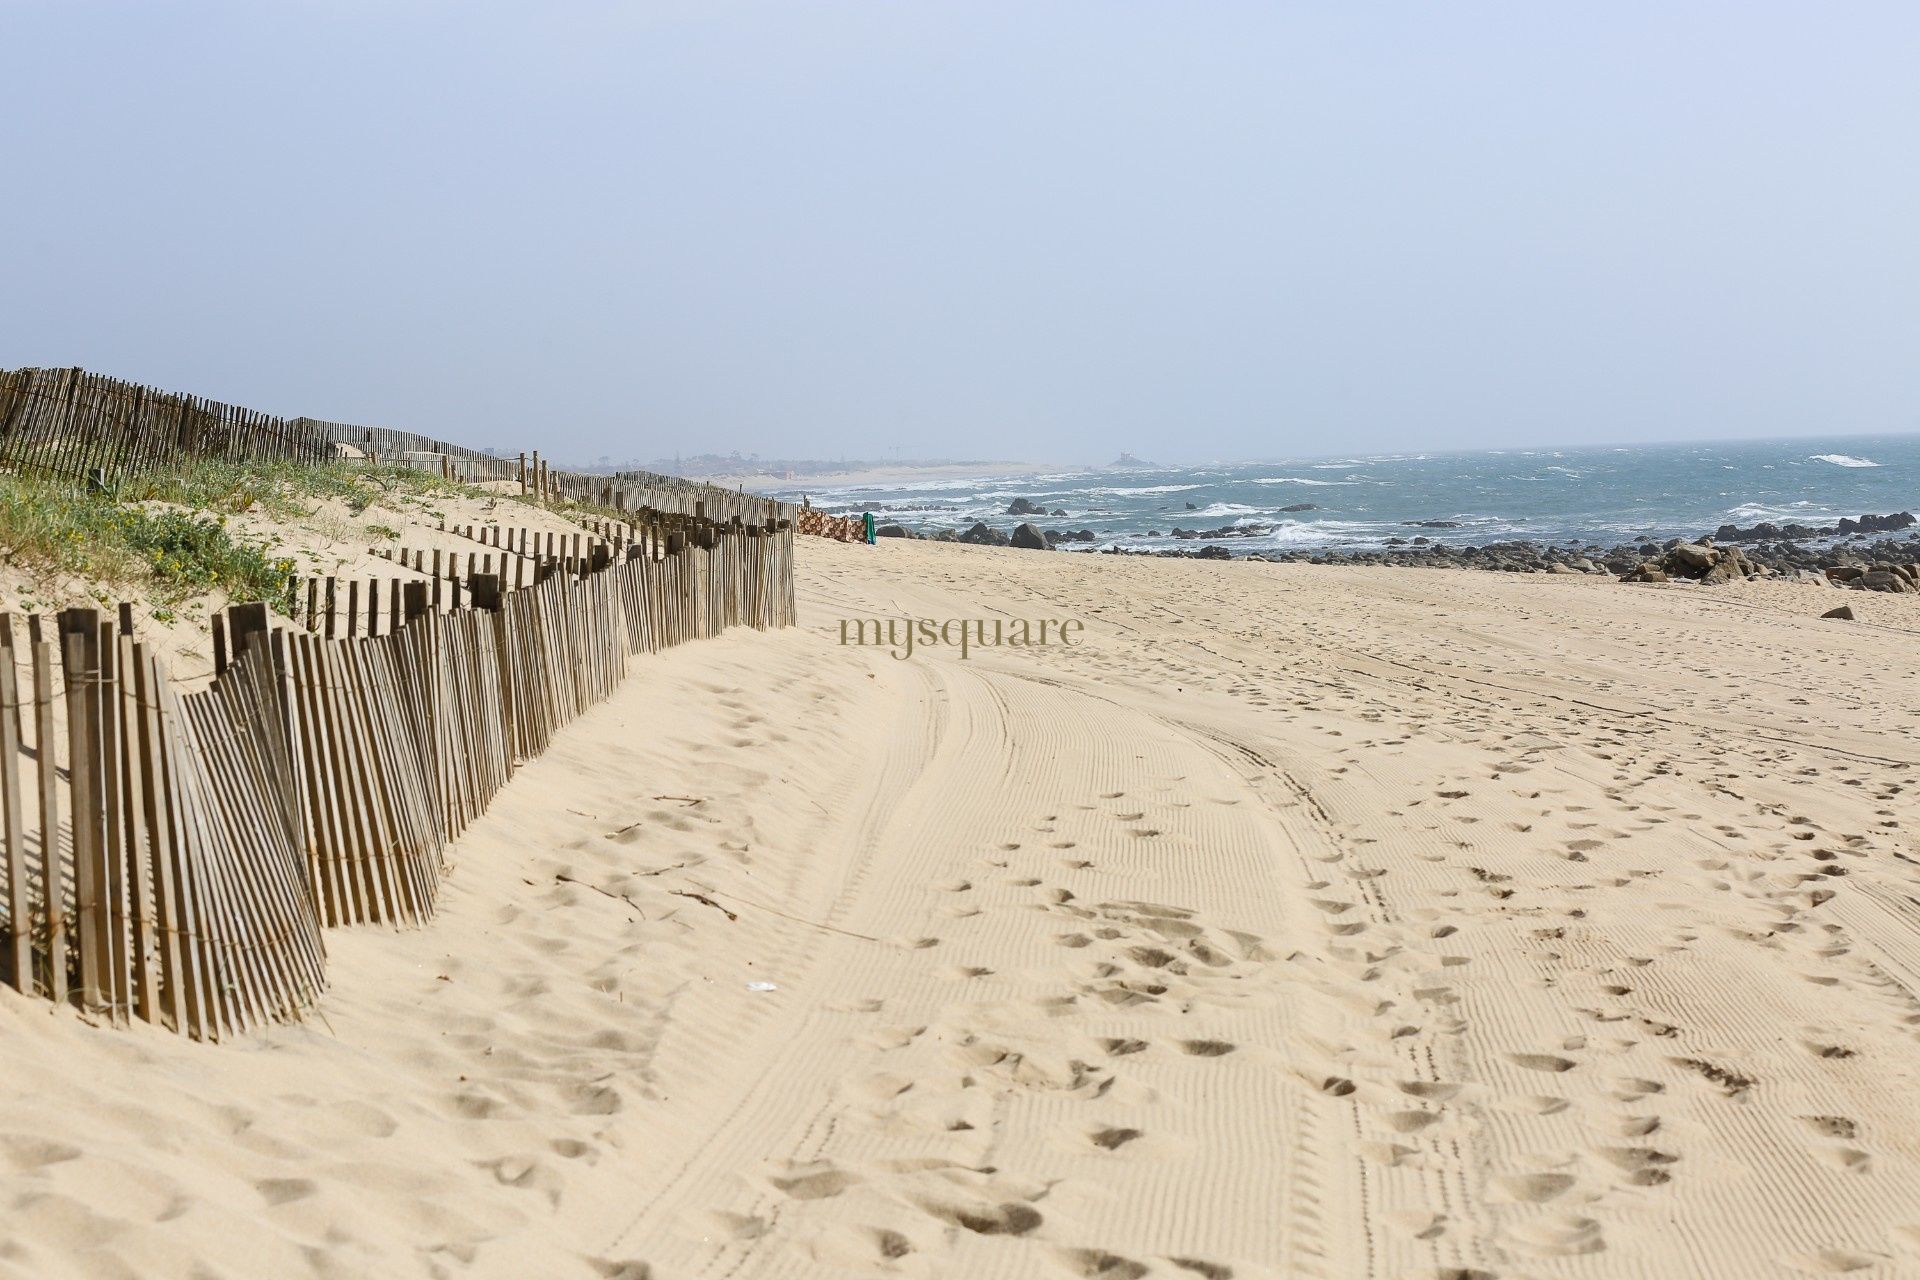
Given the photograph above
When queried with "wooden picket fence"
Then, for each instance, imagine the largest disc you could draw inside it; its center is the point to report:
(86, 426)
(78, 424)
(624, 491)
(172, 856)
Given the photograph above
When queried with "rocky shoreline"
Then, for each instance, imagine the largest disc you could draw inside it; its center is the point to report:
(1852, 553)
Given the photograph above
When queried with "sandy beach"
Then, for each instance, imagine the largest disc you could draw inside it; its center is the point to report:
(1295, 921)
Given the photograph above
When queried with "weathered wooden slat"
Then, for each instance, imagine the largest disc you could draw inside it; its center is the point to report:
(53, 892)
(19, 888)
(138, 837)
(318, 781)
(80, 638)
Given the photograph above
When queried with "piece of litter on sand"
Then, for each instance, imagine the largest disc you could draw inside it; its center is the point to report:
(761, 986)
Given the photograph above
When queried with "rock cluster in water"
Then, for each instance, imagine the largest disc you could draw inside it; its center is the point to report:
(1767, 532)
(1840, 555)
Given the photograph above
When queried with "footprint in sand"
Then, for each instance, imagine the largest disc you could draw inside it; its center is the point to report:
(279, 1191)
(1835, 1261)
(1431, 1090)
(1559, 1236)
(965, 972)
(1098, 1264)
(1534, 1188)
(1833, 1126)
(1008, 1218)
(1113, 1139)
(1205, 1270)
(818, 1181)
(1411, 1121)
(1847, 1159)
(1643, 1166)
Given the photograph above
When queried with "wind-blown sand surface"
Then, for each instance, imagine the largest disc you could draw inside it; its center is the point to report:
(1300, 922)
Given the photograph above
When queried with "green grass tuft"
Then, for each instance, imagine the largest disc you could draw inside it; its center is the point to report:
(49, 525)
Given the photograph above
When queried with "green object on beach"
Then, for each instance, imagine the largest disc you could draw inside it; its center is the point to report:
(869, 519)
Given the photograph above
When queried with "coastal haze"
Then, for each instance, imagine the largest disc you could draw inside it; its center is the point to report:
(962, 230)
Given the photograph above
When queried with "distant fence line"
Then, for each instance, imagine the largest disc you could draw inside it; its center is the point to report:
(621, 491)
(78, 424)
(172, 856)
(84, 425)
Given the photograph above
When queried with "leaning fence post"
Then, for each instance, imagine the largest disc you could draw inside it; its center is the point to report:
(19, 897)
(80, 643)
(485, 589)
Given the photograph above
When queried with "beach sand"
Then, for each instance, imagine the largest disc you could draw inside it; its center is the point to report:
(1299, 921)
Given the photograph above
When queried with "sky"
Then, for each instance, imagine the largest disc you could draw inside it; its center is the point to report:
(1043, 230)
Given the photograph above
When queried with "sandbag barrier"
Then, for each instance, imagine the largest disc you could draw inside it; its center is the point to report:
(840, 528)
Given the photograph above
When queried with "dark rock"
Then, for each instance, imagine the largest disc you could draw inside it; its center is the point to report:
(1700, 562)
(1214, 553)
(1431, 524)
(1844, 613)
(893, 531)
(1691, 557)
(1882, 579)
(1024, 507)
(981, 535)
(1030, 538)
(1300, 506)
(1766, 532)
(1876, 524)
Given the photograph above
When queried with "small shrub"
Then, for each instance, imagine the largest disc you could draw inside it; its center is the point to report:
(191, 554)
(50, 527)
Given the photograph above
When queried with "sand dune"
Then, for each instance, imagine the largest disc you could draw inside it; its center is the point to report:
(1300, 922)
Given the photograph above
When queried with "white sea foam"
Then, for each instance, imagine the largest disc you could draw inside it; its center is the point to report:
(1301, 480)
(1798, 512)
(1219, 510)
(1325, 533)
(1842, 460)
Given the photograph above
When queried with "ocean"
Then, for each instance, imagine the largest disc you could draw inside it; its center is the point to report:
(1605, 495)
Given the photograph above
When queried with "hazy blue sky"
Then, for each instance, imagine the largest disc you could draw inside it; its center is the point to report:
(1039, 230)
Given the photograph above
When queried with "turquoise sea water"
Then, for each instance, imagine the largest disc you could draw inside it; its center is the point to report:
(1560, 496)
